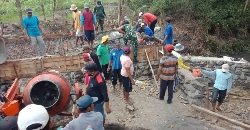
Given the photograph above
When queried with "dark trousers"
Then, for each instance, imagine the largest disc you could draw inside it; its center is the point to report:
(100, 23)
(152, 26)
(116, 75)
(218, 95)
(163, 86)
(105, 71)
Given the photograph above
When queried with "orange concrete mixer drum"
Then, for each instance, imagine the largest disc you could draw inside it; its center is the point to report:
(50, 90)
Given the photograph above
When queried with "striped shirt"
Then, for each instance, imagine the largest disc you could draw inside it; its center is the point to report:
(169, 64)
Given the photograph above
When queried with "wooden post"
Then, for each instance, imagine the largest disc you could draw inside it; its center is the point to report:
(18, 6)
(207, 97)
(119, 11)
(235, 122)
(151, 69)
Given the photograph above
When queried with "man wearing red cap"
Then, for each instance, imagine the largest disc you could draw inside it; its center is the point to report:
(167, 73)
(127, 73)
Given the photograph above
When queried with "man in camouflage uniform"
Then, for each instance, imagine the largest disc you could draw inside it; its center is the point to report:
(100, 14)
(129, 35)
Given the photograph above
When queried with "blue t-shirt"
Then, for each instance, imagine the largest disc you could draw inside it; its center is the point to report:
(31, 24)
(115, 55)
(169, 33)
(148, 31)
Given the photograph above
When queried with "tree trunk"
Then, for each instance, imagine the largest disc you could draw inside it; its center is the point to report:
(19, 10)
(119, 11)
(1, 29)
(247, 1)
(54, 8)
(42, 3)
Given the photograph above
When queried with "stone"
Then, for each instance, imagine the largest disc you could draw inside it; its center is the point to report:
(242, 76)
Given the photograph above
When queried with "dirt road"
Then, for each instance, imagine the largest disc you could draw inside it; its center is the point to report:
(147, 112)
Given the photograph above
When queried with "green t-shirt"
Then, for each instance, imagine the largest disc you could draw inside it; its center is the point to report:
(103, 54)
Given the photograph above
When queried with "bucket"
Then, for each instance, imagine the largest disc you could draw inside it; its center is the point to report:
(11, 108)
(196, 72)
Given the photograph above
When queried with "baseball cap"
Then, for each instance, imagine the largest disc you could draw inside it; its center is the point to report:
(85, 101)
(91, 67)
(9, 123)
(28, 10)
(33, 114)
(86, 6)
(142, 24)
(85, 47)
(126, 49)
(140, 14)
(169, 48)
(225, 68)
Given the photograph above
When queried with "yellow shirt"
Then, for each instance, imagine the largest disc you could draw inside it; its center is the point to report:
(180, 60)
(76, 19)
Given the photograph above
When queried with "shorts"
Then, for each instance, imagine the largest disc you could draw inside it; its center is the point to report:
(90, 35)
(127, 85)
(78, 33)
(218, 95)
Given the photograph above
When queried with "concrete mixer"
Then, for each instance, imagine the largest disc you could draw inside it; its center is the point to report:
(49, 89)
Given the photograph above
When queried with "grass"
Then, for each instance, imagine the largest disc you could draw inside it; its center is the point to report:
(8, 11)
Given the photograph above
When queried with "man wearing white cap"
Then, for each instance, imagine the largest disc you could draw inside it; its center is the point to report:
(88, 22)
(33, 117)
(145, 32)
(76, 22)
(178, 48)
(223, 83)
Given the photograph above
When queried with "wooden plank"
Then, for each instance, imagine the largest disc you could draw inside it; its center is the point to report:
(30, 66)
(235, 122)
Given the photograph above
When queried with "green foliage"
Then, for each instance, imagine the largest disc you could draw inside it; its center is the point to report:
(8, 11)
(226, 15)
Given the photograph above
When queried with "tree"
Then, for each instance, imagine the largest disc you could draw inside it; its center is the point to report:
(19, 9)
(42, 4)
(119, 11)
(54, 8)
(247, 1)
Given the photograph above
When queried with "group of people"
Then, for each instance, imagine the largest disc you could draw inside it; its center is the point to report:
(100, 66)
(88, 21)
(168, 75)
(112, 63)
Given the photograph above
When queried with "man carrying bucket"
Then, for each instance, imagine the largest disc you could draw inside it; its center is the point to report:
(222, 85)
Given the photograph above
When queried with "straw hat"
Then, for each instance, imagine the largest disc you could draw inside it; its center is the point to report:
(178, 47)
(73, 7)
(105, 38)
